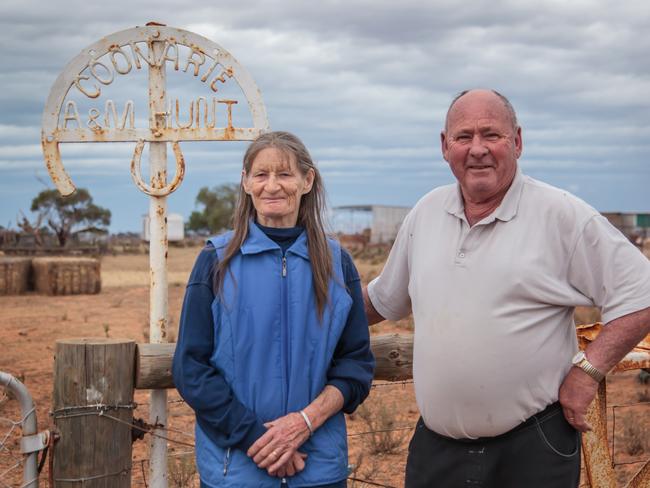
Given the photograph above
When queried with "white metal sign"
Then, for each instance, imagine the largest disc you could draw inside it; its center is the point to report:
(209, 117)
(123, 53)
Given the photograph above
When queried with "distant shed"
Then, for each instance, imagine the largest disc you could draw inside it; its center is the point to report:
(383, 220)
(175, 228)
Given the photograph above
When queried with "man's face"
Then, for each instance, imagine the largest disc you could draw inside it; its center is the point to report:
(481, 145)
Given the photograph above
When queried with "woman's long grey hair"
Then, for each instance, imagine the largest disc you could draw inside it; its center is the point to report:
(310, 215)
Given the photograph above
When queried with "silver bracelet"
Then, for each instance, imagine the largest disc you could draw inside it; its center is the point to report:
(308, 422)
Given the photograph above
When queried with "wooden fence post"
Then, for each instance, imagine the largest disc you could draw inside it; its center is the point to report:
(93, 411)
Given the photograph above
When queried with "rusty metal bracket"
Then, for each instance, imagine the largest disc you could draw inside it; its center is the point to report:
(34, 442)
(139, 429)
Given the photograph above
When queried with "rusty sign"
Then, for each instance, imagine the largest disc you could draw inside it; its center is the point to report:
(208, 117)
(211, 117)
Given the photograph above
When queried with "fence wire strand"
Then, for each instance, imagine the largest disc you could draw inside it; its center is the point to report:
(368, 482)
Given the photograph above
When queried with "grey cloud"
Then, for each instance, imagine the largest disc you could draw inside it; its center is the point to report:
(366, 85)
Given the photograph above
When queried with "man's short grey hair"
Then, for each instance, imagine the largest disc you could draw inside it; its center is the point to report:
(506, 104)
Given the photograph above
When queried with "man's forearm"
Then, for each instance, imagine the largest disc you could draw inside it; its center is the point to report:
(578, 388)
(617, 338)
(371, 312)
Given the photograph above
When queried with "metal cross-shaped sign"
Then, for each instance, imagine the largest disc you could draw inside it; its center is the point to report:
(119, 54)
(154, 47)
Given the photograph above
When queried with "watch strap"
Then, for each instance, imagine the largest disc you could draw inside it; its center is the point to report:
(591, 370)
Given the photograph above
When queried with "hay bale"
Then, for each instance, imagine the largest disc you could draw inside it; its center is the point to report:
(66, 275)
(14, 275)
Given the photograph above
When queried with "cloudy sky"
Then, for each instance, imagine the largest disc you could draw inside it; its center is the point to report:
(364, 83)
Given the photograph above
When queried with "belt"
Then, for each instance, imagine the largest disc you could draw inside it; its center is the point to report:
(551, 409)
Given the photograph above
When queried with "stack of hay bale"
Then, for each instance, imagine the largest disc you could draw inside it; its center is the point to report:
(66, 276)
(50, 275)
(14, 275)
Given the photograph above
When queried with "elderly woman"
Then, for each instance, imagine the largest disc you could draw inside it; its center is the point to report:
(273, 344)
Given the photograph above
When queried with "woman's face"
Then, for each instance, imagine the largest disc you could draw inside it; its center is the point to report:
(276, 185)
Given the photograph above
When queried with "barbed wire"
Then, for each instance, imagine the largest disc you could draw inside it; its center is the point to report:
(180, 400)
(379, 431)
(392, 383)
(121, 472)
(146, 428)
(373, 386)
(368, 482)
(144, 461)
(154, 430)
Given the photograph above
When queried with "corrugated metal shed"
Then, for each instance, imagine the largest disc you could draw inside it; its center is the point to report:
(175, 228)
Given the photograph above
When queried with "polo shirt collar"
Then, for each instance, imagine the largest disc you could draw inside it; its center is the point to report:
(257, 242)
(504, 212)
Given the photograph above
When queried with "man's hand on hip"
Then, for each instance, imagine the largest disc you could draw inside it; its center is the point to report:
(617, 338)
(576, 394)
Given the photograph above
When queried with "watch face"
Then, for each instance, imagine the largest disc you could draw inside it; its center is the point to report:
(578, 357)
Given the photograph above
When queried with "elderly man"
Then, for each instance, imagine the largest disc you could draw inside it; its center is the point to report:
(492, 269)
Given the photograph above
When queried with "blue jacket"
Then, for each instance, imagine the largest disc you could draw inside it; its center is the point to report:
(274, 353)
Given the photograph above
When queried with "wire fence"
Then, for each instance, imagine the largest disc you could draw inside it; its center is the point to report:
(11, 459)
(382, 452)
(391, 437)
(378, 436)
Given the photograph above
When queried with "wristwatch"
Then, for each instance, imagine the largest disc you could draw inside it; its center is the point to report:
(580, 360)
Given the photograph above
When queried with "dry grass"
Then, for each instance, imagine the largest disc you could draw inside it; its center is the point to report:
(381, 419)
(182, 470)
(121, 311)
(133, 269)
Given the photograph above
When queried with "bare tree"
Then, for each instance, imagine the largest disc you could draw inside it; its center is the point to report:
(33, 229)
(70, 215)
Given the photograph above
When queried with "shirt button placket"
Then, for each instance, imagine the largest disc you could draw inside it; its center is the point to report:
(462, 249)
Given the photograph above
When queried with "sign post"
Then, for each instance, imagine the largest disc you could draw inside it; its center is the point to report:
(87, 75)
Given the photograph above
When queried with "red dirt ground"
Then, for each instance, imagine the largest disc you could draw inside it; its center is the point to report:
(30, 324)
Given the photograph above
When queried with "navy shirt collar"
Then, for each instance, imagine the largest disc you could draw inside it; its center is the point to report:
(261, 239)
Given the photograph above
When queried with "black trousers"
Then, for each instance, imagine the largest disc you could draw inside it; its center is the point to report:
(543, 452)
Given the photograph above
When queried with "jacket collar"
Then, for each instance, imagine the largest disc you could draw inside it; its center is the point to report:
(257, 242)
(506, 211)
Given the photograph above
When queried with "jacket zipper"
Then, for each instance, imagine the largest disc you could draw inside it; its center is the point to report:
(285, 331)
(226, 462)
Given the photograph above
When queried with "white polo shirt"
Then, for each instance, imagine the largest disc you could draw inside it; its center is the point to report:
(493, 304)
